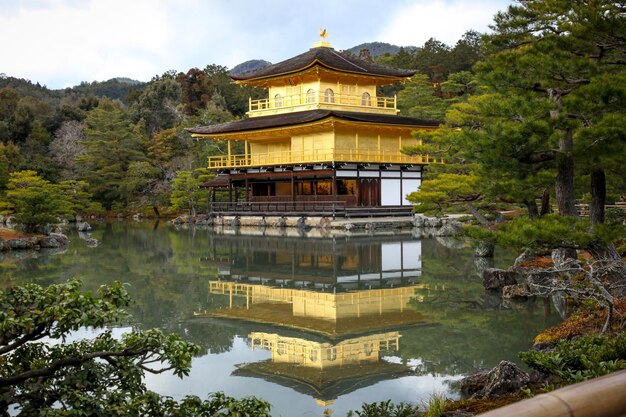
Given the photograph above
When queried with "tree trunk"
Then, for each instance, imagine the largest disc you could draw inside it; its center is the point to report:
(531, 205)
(564, 183)
(481, 219)
(598, 196)
(603, 252)
(545, 203)
(616, 271)
(156, 211)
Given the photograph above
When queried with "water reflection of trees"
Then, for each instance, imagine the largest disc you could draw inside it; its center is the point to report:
(472, 329)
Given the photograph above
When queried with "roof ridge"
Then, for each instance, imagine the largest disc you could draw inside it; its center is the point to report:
(348, 61)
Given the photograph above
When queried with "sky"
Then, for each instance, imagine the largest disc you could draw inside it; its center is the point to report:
(60, 43)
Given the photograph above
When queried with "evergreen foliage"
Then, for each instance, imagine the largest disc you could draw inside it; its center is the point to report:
(34, 201)
(186, 192)
(580, 359)
(101, 376)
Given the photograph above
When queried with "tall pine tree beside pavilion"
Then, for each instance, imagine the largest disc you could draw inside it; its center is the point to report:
(111, 145)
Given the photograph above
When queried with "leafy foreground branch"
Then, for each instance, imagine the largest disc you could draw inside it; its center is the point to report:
(41, 374)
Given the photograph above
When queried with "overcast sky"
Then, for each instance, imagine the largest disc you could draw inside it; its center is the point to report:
(60, 43)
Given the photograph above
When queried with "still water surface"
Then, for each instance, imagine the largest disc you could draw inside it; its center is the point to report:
(311, 324)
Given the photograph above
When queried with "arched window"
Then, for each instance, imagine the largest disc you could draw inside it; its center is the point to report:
(278, 100)
(329, 96)
(310, 96)
(366, 99)
(331, 354)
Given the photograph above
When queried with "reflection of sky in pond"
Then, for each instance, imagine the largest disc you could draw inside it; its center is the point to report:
(318, 304)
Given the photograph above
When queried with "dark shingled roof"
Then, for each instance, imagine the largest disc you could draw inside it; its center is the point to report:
(326, 57)
(301, 117)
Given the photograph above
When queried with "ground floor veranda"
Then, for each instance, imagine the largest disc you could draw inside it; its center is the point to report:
(324, 189)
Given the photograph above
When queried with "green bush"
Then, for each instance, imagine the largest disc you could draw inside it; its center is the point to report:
(581, 358)
(387, 409)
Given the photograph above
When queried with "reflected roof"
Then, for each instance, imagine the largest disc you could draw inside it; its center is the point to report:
(326, 384)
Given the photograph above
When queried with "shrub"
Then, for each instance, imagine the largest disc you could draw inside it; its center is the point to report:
(581, 358)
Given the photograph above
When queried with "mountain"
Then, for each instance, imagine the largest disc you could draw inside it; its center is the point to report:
(248, 66)
(379, 48)
(115, 88)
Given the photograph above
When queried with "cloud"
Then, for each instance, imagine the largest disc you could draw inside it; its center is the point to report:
(62, 42)
(446, 21)
(89, 40)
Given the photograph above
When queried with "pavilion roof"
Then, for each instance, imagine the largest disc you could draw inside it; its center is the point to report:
(326, 57)
(302, 117)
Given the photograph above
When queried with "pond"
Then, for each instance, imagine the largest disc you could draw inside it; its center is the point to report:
(311, 324)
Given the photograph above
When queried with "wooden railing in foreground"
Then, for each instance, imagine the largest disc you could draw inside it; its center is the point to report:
(600, 397)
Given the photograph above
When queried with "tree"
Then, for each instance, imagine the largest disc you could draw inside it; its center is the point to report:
(67, 147)
(420, 98)
(466, 52)
(186, 191)
(34, 201)
(157, 105)
(552, 50)
(41, 373)
(143, 184)
(111, 145)
(9, 161)
(433, 59)
(78, 197)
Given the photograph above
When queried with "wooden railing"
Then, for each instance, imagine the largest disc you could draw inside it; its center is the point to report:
(316, 156)
(372, 102)
(600, 397)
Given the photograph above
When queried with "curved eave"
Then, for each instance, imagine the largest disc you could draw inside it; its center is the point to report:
(389, 79)
(318, 123)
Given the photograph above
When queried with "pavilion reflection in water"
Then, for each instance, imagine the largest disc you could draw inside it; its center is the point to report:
(328, 310)
(321, 263)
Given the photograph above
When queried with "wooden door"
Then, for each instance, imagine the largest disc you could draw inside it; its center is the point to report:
(369, 192)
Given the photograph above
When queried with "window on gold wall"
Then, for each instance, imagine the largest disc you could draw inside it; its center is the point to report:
(366, 99)
(348, 89)
(278, 100)
(329, 96)
(310, 96)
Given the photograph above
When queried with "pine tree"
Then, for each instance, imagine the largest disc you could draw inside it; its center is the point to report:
(111, 145)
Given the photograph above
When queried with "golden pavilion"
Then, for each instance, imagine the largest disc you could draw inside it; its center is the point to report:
(322, 138)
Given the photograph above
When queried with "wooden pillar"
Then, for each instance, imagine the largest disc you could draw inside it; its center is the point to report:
(245, 147)
(293, 188)
(230, 154)
(230, 189)
(333, 184)
(247, 190)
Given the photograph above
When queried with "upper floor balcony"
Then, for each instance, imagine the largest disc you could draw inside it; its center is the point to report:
(317, 156)
(328, 100)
